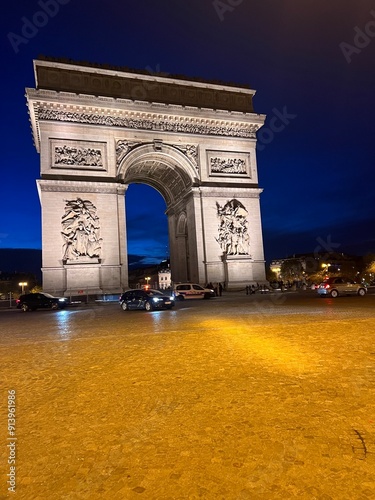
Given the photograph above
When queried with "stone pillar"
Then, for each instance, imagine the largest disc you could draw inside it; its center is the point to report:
(123, 241)
(82, 227)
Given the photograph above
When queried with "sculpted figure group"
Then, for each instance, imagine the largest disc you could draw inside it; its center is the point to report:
(80, 230)
(233, 236)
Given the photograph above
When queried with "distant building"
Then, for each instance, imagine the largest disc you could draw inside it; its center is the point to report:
(275, 267)
(144, 276)
(16, 283)
(153, 276)
(324, 263)
(165, 279)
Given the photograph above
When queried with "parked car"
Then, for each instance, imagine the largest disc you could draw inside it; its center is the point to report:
(334, 287)
(145, 299)
(192, 291)
(34, 301)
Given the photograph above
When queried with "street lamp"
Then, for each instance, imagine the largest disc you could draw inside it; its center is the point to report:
(23, 284)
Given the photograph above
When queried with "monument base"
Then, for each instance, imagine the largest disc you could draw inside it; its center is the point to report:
(241, 271)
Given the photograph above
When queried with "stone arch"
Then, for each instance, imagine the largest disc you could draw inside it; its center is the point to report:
(193, 141)
(168, 170)
(172, 174)
(182, 247)
(181, 224)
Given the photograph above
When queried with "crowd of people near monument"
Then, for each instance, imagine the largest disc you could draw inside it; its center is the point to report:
(250, 289)
(217, 288)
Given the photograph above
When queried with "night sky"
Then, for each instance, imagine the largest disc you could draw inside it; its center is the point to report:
(311, 61)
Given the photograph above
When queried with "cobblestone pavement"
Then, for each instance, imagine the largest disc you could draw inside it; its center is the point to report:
(234, 398)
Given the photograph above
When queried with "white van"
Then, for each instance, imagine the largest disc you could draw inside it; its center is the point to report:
(191, 291)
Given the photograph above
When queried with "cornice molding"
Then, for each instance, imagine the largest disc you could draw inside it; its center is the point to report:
(66, 107)
(87, 68)
(149, 88)
(45, 185)
(229, 191)
(118, 103)
(154, 122)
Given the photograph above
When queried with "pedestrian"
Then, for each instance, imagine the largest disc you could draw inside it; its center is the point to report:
(220, 289)
(247, 290)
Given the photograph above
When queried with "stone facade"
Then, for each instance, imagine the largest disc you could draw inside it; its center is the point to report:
(165, 279)
(92, 145)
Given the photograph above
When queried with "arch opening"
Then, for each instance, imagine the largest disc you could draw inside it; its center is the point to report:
(158, 179)
(169, 171)
(147, 226)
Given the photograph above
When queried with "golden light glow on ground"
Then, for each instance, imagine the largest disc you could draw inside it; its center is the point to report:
(233, 407)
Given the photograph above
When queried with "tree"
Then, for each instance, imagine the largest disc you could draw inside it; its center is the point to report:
(292, 269)
(270, 275)
(369, 265)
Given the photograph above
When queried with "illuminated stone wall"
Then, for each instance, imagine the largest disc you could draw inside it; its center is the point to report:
(201, 159)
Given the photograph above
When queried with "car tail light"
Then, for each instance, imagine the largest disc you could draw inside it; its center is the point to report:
(326, 285)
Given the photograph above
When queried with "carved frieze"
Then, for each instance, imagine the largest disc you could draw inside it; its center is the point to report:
(227, 163)
(151, 122)
(233, 236)
(69, 154)
(86, 157)
(80, 231)
(123, 147)
(190, 150)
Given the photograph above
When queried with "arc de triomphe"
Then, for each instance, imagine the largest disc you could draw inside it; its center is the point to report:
(98, 130)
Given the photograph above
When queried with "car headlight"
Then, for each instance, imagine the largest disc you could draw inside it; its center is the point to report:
(156, 299)
(63, 300)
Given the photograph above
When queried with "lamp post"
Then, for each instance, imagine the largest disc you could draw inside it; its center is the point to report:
(325, 269)
(22, 284)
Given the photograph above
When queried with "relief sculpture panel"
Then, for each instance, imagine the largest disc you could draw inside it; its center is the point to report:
(233, 236)
(229, 164)
(80, 231)
(77, 155)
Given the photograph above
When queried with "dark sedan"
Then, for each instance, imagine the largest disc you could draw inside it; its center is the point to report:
(34, 301)
(145, 299)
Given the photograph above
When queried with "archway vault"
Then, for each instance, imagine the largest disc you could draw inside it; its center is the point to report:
(168, 171)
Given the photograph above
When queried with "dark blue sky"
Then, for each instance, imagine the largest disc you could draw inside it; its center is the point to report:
(306, 59)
